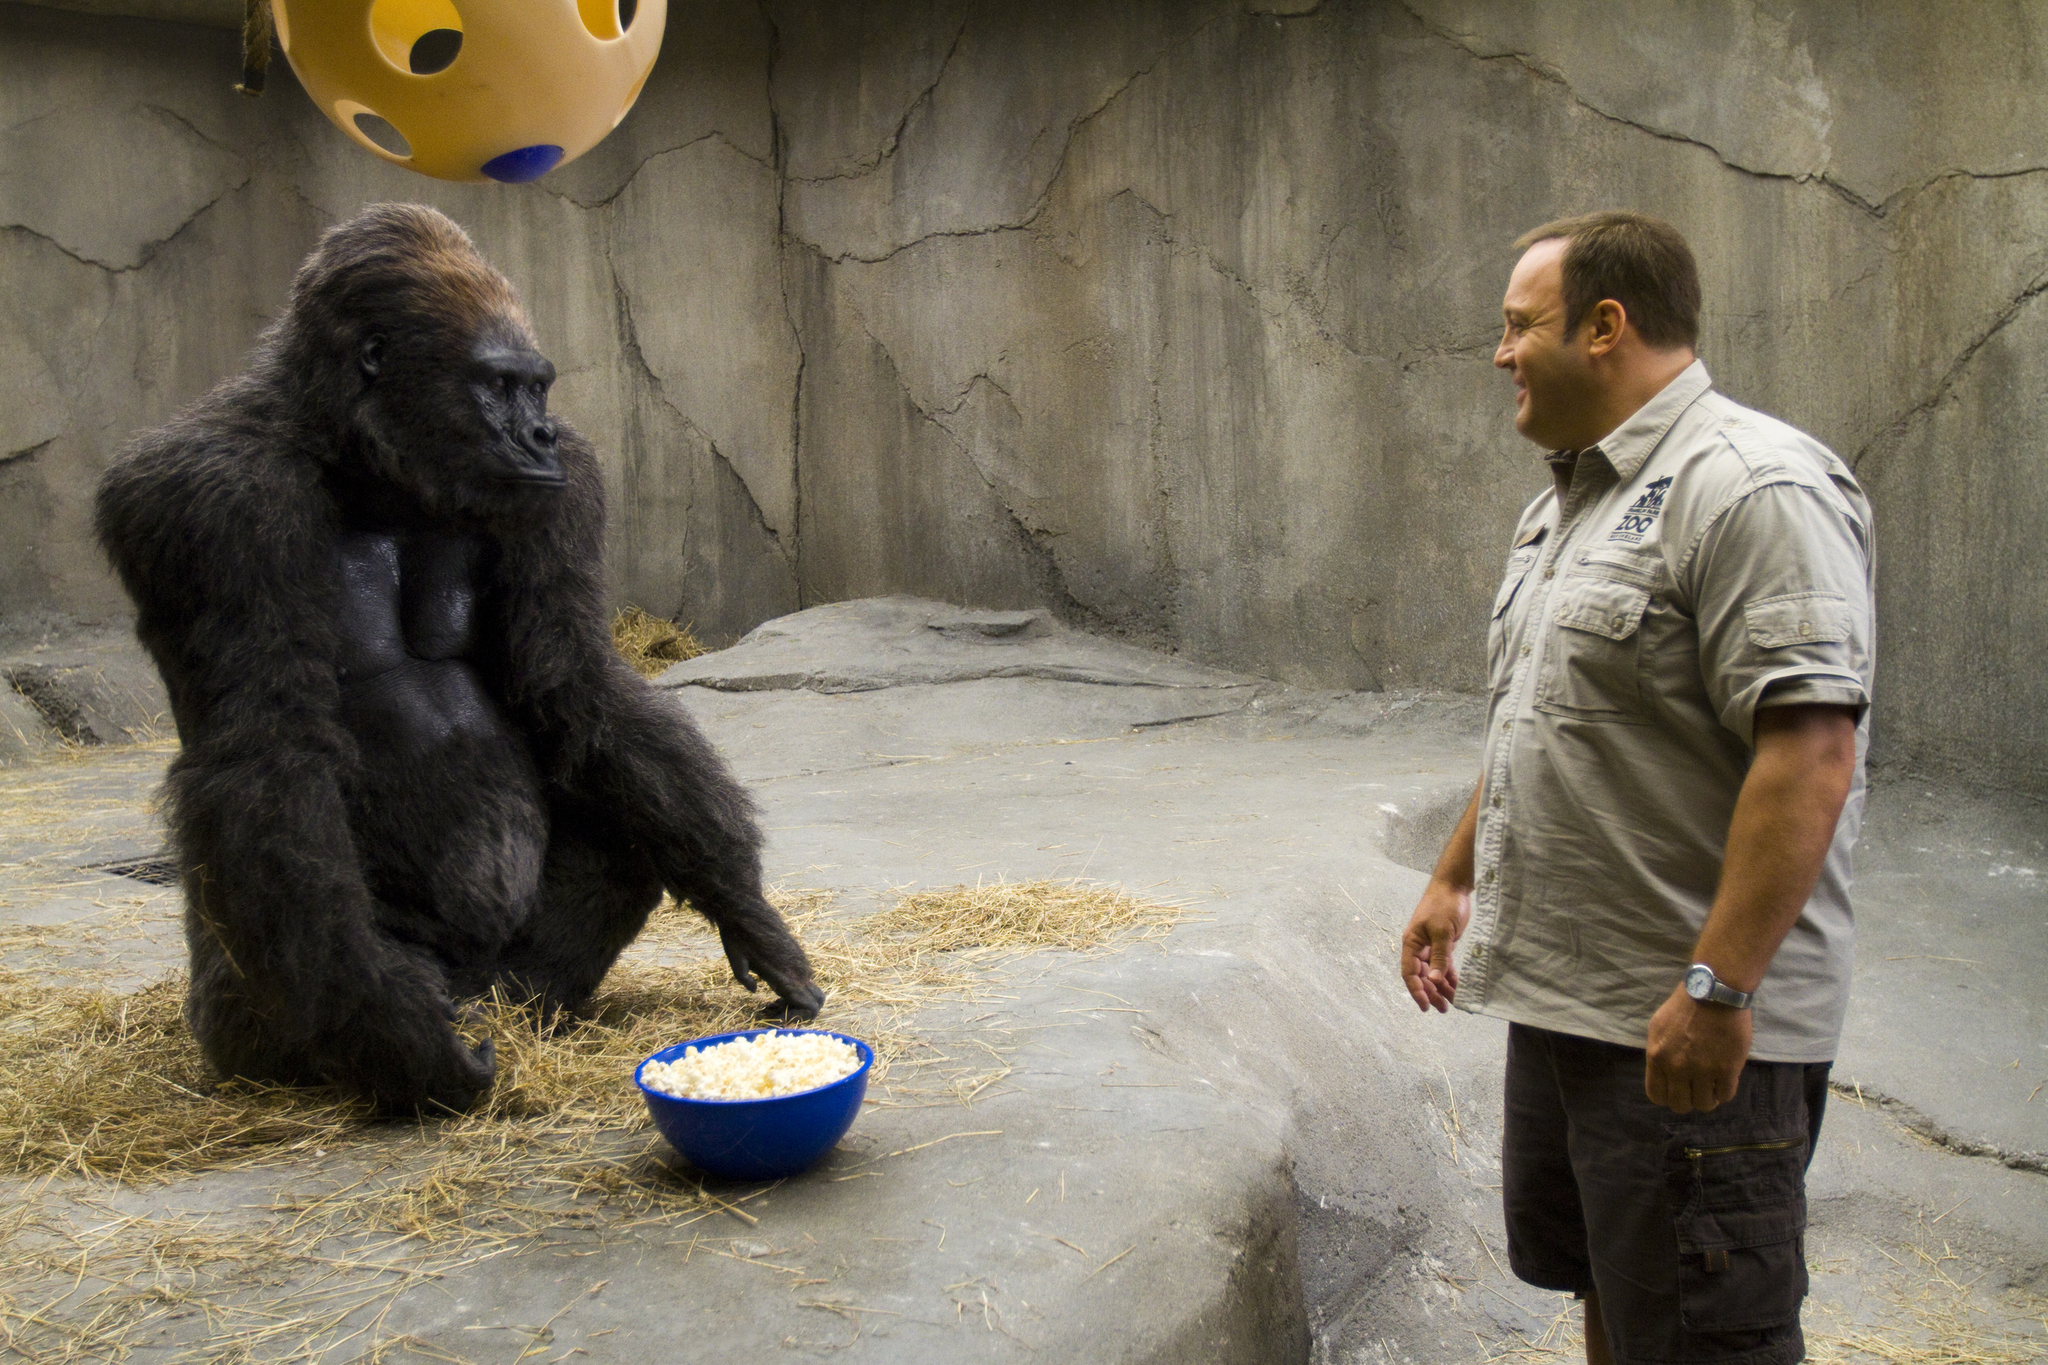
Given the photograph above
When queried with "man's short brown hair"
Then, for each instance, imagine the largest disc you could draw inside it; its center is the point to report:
(1640, 262)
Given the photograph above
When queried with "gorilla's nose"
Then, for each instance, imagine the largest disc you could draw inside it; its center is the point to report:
(536, 455)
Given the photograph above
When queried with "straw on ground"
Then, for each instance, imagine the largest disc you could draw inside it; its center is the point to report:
(100, 1090)
(650, 643)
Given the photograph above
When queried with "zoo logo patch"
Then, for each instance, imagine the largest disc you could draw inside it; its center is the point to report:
(1642, 513)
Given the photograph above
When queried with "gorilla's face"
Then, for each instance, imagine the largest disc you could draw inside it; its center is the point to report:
(509, 386)
(461, 425)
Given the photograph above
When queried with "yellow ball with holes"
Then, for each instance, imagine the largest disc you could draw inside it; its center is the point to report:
(476, 90)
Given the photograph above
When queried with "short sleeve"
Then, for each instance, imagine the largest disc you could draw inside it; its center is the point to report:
(1781, 587)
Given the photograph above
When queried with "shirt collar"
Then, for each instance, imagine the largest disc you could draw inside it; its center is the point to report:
(1628, 445)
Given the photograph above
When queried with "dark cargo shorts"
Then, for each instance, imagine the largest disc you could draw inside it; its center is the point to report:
(1691, 1227)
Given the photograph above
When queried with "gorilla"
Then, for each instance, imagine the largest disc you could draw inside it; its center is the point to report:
(413, 767)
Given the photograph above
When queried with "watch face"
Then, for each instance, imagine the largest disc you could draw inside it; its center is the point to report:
(1699, 982)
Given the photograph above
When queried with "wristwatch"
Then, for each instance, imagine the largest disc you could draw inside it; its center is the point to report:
(1702, 985)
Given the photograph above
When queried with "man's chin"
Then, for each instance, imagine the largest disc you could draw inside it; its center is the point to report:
(1537, 433)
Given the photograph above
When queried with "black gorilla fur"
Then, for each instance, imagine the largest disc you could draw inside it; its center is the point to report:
(413, 766)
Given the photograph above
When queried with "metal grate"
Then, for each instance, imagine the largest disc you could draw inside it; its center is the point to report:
(155, 871)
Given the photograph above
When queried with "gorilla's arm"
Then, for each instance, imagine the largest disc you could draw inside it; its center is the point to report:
(223, 548)
(604, 735)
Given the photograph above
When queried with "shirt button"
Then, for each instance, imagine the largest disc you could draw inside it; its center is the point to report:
(1525, 651)
(1488, 878)
(1620, 621)
(1805, 629)
(1498, 798)
(1550, 573)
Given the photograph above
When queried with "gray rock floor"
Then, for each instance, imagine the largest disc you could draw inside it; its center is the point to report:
(1236, 1143)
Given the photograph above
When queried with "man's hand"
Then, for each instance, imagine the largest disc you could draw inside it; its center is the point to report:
(1694, 1060)
(1439, 921)
(1433, 931)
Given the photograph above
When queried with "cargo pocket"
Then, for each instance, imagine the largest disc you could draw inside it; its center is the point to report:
(1591, 668)
(1741, 1232)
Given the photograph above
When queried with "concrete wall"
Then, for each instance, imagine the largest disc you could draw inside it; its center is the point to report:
(1174, 316)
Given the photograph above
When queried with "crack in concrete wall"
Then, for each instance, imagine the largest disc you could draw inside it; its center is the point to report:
(145, 252)
(1949, 378)
(1544, 71)
(793, 549)
(659, 392)
(605, 201)
(895, 139)
(49, 185)
(1042, 197)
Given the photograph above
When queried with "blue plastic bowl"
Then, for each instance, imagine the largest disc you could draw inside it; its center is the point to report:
(763, 1139)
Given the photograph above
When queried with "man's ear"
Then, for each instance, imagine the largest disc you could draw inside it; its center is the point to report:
(371, 357)
(1604, 324)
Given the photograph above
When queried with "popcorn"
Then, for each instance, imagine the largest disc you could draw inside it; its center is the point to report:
(752, 1068)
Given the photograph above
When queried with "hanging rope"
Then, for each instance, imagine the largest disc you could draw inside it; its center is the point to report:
(256, 29)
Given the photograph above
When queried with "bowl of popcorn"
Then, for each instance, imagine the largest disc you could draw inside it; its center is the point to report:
(759, 1104)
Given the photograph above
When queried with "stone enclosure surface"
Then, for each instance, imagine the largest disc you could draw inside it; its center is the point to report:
(1172, 318)
(1239, 1142)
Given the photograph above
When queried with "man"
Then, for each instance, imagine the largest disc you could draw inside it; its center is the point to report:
(1651, 879)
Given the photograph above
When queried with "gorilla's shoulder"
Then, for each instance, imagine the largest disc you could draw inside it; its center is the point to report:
(223, 480)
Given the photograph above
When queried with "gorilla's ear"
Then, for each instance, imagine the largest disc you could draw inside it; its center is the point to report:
(372, 357)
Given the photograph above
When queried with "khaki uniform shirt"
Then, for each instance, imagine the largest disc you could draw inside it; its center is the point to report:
(1703, 556)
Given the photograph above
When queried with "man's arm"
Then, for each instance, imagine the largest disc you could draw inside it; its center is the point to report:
(1779, 836)
(1440, 919)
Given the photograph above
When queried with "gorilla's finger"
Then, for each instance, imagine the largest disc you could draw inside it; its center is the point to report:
(776, 955)
(478, 1065)
(449, 1083)
(736, 958)
(805, 997)
(474, 1067)
(800, 993)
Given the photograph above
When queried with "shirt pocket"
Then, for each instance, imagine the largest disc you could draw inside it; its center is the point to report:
(1592, 665)
(1799, 618)
(1519, 564)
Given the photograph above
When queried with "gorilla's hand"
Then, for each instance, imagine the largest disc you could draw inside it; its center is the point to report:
(765, 946)
(472, 1073)
(465, 1070)
(409, 1058)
